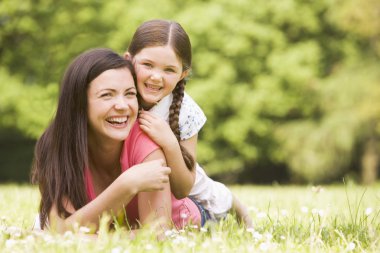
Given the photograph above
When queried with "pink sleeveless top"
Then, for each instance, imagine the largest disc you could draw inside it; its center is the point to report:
(136, 148)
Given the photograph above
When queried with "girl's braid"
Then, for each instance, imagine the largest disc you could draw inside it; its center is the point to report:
(174, 111)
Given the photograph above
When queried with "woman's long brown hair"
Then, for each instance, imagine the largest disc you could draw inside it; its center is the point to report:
(161, 33)
(61, 153)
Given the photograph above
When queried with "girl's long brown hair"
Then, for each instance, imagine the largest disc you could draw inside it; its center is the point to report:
(61, 153)
(161, 33)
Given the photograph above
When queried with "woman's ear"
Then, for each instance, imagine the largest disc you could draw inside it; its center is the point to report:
(127, 56)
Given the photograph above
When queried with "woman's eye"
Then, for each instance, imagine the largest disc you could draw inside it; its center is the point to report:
(147, 64)
(105, 95)
(170, 70)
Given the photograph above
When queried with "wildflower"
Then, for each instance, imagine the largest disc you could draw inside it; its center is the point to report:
(38, 233)
(257, 236)
(48, 238)
(30, 239)
(282, 237)
(14, 231)
(284, 212)
(116, 250)
(321, 212)
(68, 234)
(203, 230)
(169, 233)
(264, 246)
(268, 236)
(205, 244)
(180, 239)
(304, 209)
(149, 246)
(10, 243)
(351, 246)
(261, 215)
(84, 230)
(250, 230)
(217, 239)
(368, 211)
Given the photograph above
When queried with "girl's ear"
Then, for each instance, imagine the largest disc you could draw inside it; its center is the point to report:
(127, 56)
(185, 74)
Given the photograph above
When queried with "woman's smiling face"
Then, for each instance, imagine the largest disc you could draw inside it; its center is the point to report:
(112, 105)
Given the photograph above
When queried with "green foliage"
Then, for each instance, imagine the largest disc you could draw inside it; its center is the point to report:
(322, 149)
(38, 38)
(29, 108)
(278, 80)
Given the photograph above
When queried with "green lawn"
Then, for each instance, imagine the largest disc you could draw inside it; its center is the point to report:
(287, 219)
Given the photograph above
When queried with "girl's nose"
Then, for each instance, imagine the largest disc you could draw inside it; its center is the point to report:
(156, 76)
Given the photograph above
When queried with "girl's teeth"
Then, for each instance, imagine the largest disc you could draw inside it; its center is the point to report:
(152, 87)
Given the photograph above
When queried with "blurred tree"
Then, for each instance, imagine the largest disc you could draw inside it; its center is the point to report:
(324, 149)
(39, 37)
(349, 98)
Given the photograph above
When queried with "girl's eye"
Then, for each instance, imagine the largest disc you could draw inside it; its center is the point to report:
(170, 70)
(147, 64)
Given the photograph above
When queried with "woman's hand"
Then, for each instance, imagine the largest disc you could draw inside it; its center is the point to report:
(157, 129)
(149, 176)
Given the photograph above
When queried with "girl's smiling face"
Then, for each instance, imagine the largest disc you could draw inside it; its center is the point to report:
(158, 71)
(112, 105)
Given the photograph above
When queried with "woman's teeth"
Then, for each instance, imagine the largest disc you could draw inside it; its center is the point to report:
(117, 120)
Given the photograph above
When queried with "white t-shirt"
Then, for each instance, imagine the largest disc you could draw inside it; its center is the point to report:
(215, 197)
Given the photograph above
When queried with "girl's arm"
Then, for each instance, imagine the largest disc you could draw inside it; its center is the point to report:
(181, 178)
(150, 176)
(155, 207)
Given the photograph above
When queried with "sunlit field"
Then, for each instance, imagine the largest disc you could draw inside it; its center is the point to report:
(341, 218)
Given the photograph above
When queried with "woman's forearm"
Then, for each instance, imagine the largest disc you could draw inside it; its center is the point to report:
(155, 210)
(112, 200)
(148, 176)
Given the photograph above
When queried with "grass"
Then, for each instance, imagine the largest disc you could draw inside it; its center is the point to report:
(333, 218)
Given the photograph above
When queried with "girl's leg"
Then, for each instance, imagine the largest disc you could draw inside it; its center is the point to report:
(241, 212)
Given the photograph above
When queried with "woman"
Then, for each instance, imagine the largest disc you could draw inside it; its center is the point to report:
(93, 158)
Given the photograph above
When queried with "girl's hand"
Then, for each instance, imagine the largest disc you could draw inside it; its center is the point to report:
(157, 129)
(149, 176)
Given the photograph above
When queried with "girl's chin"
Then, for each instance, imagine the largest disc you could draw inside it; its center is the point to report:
(149, 103)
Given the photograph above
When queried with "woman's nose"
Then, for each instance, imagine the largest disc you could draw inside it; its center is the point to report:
(121, 103)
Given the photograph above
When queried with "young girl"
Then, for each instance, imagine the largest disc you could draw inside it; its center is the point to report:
(94, 158)
(161, 53)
